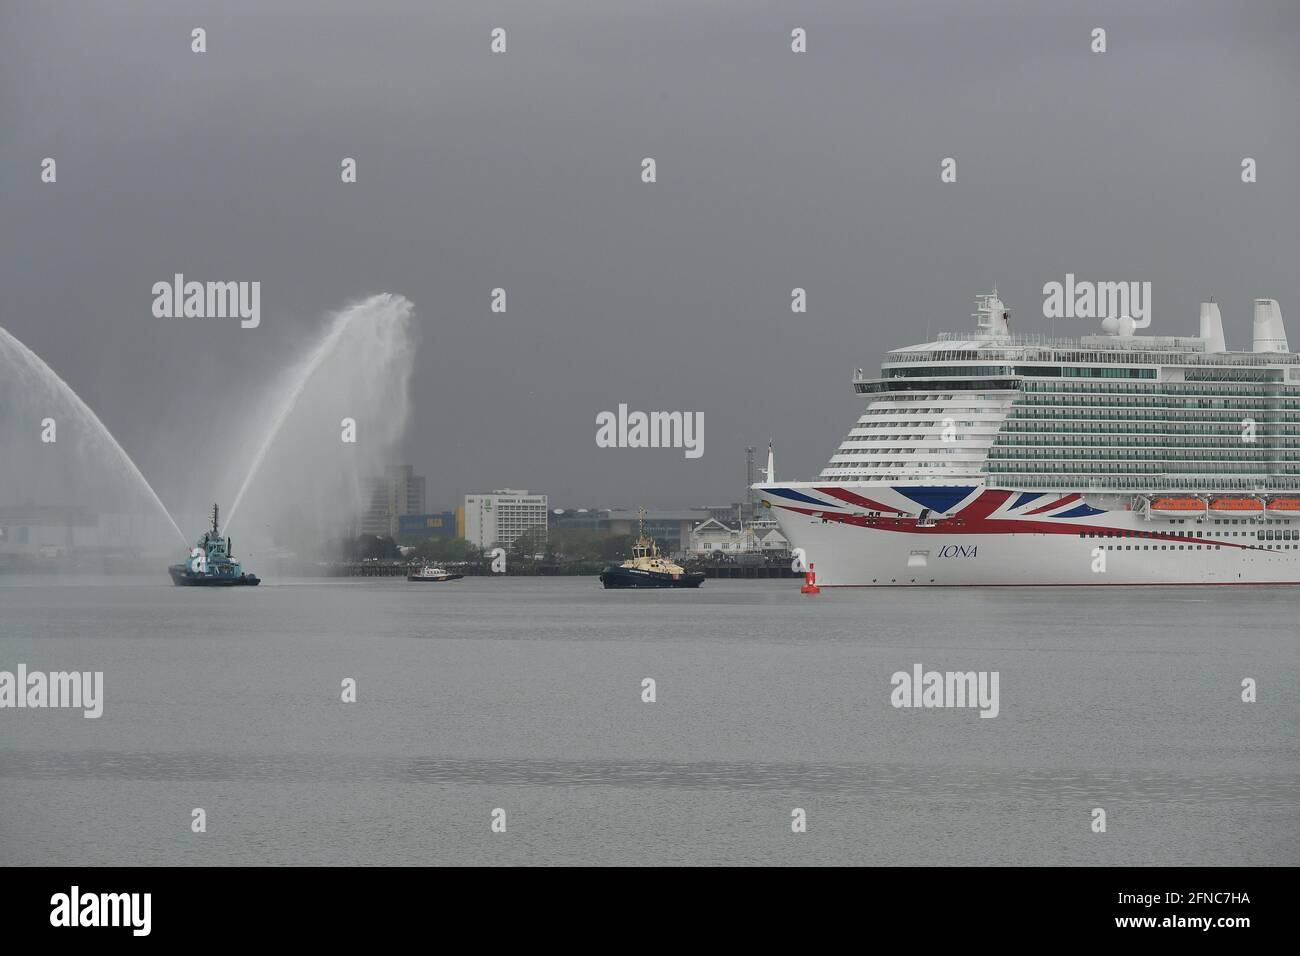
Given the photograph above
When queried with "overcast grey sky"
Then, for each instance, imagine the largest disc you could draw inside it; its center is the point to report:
(522, 170)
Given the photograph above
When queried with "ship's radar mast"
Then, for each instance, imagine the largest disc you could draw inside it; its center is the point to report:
(214, 521)
(992, 317)
(644, 546)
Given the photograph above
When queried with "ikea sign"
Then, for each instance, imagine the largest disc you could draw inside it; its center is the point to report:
(442, 524)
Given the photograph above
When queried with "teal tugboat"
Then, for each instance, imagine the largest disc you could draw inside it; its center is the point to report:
(211, 563)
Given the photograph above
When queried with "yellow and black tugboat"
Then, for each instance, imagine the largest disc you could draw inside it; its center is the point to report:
(647, 568)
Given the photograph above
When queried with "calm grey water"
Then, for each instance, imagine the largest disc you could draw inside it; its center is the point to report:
(525, 694)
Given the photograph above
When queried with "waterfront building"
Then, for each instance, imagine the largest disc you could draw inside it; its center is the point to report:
(399, 491)
(501, 517)
(670, 529)
(712, 536)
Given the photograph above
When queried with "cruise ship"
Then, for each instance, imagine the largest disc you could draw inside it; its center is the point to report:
(987, 458)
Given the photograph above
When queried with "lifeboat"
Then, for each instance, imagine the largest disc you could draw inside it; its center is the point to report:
(1178, 507)
(1236, 507)
(1284, 507)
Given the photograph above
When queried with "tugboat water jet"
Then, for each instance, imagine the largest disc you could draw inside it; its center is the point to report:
(212, 563)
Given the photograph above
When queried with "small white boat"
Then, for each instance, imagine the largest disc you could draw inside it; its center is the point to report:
(434, 575)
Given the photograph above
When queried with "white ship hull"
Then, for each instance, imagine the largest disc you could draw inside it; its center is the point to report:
(993, 537)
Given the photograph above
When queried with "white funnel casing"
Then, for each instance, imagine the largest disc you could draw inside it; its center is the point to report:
(1270, 333)
(1212, 328)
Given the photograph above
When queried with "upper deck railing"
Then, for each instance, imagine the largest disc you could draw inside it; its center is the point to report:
(1031, 347)
(1015, 339)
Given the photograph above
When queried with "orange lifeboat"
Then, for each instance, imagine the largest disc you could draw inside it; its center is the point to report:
(1178, 507)
(1284, 507)
(1236, 507)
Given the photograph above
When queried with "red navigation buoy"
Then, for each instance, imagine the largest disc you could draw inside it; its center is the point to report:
(810, 582)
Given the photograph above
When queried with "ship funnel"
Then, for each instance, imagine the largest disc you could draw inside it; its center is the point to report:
(771, 466)
(1212, 328)
(1270, 333)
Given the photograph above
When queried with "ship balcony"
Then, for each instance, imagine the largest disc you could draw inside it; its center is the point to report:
(877, 384)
